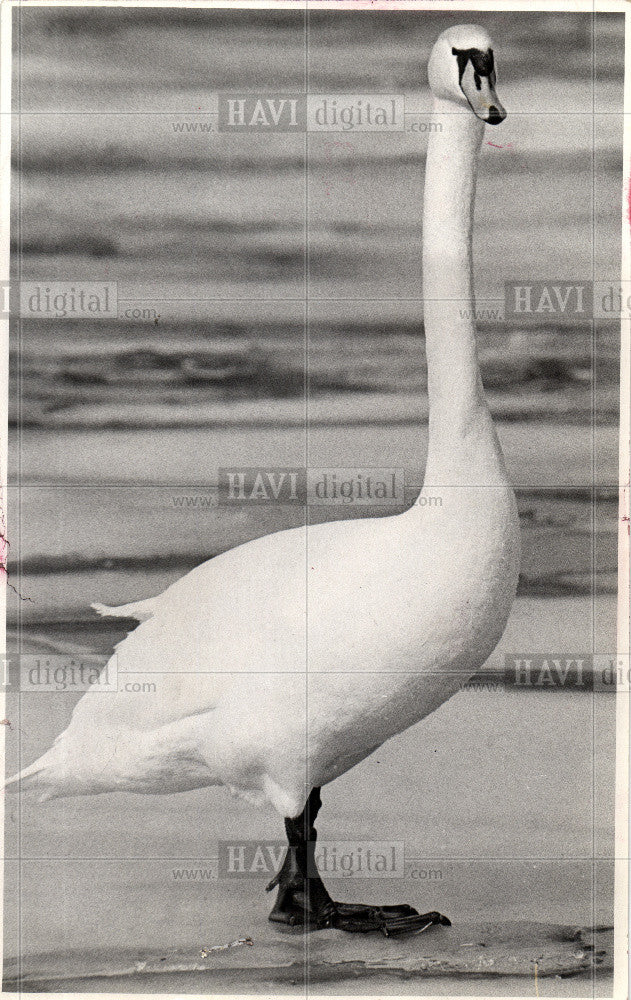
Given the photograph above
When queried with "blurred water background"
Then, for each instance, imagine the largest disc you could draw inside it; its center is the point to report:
(108, 189)
(214, 239)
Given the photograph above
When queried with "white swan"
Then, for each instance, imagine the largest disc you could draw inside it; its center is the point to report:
(281, 664)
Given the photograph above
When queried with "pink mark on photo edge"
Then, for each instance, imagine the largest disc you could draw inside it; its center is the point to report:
(4, 545)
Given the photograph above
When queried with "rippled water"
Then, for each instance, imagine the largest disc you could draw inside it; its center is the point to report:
(215, 238)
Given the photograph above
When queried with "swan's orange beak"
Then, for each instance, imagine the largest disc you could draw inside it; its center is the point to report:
(477, 81)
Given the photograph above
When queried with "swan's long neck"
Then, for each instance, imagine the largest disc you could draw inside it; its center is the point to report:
(459, 417)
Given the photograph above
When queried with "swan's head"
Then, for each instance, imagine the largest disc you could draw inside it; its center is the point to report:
(462, 69)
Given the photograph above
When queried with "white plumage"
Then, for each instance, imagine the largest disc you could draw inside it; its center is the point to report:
(282, 663)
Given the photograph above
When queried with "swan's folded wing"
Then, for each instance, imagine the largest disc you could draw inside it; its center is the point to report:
(152, 679)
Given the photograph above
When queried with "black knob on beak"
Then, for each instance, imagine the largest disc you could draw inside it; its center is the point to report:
(495, 116)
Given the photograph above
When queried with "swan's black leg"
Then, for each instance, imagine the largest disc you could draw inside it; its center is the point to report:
(302, 897)
(304, 901)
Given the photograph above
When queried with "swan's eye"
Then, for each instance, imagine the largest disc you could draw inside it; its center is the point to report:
(481, 63)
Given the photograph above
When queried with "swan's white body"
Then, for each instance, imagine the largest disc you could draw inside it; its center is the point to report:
(283, 663)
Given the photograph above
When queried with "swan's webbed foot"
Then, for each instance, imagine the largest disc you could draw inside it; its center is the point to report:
(303, 900)
(390, 920)
(355, 918)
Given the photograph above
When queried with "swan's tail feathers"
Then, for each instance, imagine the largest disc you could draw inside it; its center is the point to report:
(140, 610)
(39, 776)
